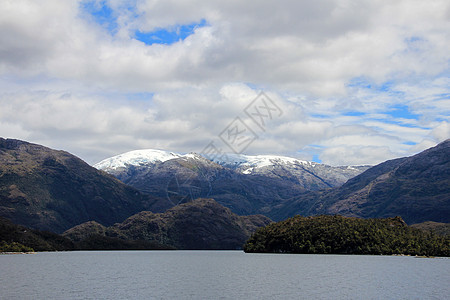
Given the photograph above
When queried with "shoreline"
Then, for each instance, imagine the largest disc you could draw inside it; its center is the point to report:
(7, 253)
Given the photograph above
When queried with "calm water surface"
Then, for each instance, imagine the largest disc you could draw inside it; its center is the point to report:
(220, 275)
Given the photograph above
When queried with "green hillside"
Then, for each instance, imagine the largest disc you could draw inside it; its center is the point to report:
(344, 235)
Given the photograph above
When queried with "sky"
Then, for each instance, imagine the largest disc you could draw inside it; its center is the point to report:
(335, 81)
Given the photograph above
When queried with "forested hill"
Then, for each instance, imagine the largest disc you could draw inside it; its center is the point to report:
(344, 235)
(46, 189)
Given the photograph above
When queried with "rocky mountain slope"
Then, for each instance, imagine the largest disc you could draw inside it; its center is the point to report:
(245, 184)
(53, 190)
(199, 224)
(417, 188)
(309, 175)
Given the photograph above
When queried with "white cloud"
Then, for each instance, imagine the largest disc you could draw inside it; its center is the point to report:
(66, 81)
(356, 155)
(441, 132)
(300, 45)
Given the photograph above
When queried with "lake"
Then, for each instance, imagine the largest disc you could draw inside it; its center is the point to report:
(220, 275)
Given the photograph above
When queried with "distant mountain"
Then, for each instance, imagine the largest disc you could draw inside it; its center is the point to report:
(136, 158)
(245, 184)
(53, 190)
(417, 188)
(199, 224)
(309, 175)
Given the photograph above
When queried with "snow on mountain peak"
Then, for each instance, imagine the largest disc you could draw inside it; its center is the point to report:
(249, 163)
(245, 163)
(136, 158)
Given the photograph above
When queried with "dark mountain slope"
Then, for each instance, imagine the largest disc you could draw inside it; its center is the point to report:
(184, 179)
(199, 224)
(435, 227)
(417, 188)
(53, 190)
(254, 189)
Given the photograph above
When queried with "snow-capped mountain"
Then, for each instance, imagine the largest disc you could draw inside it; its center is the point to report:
(246, 184)
(245, 164)
(268, 165)
(135, 158)
(248, 164)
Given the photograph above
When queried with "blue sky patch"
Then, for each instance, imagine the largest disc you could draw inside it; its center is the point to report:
(319, 116)
(400, 123)
(443, 96)
(101, 13)
(316, 158)
(316, 146)
(385, 86)
(170, 35)
(413, 39)
(402, 111)
(353, 114)
(359, 82)
(254, 86)
(414, 43)
(365, 83)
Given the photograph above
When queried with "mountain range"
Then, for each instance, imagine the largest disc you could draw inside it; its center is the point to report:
(417, 188)
(51, 190)
(307, 174)
(185, 201)
(245, 184)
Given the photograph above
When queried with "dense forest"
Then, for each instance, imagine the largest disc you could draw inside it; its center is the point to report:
(343, 235)
(17, 238)
(199, 224)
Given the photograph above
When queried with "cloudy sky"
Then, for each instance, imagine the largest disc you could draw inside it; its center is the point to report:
(354, 82)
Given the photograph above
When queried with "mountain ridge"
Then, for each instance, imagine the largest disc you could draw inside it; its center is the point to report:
(241, 162)
(417, 188)
(245, 184)
(413, 187)
(53, 190)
